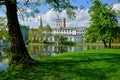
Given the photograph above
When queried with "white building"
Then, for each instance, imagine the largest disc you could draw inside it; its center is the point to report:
(75, 34)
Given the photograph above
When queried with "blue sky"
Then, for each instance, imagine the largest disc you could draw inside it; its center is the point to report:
(85, 3)
(49, 16)
(82, 19)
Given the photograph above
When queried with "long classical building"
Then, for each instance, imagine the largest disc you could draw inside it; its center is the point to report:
(75, 34)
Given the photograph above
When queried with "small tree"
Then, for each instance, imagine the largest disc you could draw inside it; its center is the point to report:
(63, 39)
(47, 32)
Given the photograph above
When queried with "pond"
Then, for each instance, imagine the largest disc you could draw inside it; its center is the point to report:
(41, 51)
(38, 52)
(3, 59)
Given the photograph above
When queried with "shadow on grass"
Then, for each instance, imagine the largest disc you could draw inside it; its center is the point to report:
(82, 68)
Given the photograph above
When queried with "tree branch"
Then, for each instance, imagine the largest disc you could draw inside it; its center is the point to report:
(2, 2)
(27, 1)
(56, 2)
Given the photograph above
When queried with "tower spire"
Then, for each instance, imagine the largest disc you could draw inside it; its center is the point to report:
(41, 25)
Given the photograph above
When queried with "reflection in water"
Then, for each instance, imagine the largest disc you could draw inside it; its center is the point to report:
(41, 51)
(3, 59)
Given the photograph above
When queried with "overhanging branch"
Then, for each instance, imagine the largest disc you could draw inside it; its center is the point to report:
(57, 3)
(2, 2)
(27, 1)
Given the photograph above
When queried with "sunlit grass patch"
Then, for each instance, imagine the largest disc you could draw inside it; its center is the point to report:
(81, 65)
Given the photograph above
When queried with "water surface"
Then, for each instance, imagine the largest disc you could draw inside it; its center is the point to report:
(38, 52)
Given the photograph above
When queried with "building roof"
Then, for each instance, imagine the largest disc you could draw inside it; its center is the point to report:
(24, 27)
(69, 28)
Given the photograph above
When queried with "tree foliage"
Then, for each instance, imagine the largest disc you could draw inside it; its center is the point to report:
(61, 39)
(36, 35)
(33, 5)
(104, 23)
(3, 29)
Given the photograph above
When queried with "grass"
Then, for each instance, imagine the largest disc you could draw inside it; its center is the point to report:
(76, 43)
(82, 65)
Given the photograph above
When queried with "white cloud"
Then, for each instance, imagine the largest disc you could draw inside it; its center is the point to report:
(50, 15)
(116, 6)
(82, 18)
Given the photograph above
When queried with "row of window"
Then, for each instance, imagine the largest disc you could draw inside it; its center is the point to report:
(63, 30)
(69, 31)
(80, 30)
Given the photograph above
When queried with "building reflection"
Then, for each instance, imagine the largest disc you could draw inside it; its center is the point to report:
(3, 58)
(41, 51)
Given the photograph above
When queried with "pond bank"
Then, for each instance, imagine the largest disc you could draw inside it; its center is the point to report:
(101, 64)
(77, 43)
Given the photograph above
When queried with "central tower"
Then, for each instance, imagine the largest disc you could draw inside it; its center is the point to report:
(41, 25)
(58, 23)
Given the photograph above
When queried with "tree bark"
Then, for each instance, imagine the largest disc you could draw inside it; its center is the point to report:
(110, 43)
(104, 42)
(20, 53)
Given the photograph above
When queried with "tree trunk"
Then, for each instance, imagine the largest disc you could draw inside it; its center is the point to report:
(20, 53)
(110, 43)
(104, 42)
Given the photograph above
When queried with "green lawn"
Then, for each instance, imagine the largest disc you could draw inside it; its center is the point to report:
(82, 65)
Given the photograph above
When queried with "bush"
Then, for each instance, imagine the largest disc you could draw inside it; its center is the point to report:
(68, 43)
(48, 42)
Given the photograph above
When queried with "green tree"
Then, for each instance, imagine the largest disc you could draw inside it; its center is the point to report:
(3, 29)
(39, 33)
(91, 35)
(20, 53)
(104, 24)
(2, 25)
(63, 39)
(57, 38)
(46, 31)
(33, 35)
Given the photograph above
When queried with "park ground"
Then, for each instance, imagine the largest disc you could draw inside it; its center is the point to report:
(101, 64)
(76, 43)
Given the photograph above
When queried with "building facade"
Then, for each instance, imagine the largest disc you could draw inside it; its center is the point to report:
(75, 34)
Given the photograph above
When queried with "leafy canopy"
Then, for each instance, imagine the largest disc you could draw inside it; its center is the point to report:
(104, 24)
